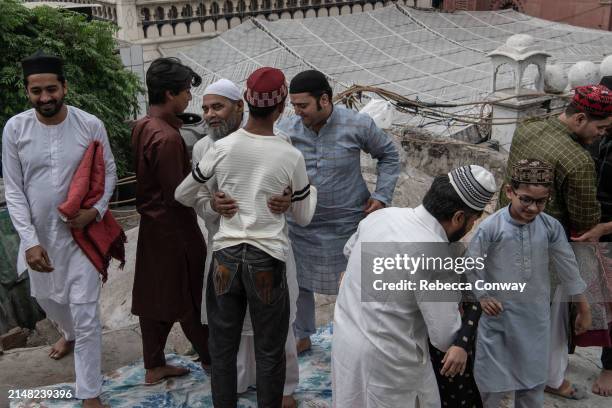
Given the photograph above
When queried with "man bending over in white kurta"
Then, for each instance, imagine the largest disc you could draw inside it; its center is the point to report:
(380, 354)
(41, 149)
(223, 110)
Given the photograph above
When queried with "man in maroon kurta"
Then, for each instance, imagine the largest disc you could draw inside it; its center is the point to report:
(171, 249)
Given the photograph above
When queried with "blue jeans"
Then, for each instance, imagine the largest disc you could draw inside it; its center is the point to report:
(241, 275)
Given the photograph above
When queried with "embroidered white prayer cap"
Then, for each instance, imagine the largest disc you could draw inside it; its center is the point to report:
(224, 87)
(475, 185)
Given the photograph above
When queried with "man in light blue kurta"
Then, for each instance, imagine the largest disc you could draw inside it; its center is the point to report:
(518, 242)
(331, 139)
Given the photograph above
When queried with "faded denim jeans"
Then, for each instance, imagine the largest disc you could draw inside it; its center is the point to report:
(241, 275)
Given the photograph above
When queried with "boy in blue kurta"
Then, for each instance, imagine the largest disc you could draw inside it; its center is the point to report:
(518, 243)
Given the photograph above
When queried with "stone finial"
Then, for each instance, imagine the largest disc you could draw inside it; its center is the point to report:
(555, 79)
(605, 68)
(519, 51)
(583, 73)
(520, 42)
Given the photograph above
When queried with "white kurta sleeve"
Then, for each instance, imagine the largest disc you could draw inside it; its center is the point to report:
(443, 321)
(442, 316)
(303, 195)
(110, 177)
(199, 149)
(189, 191)
(202, 204)
(16, 200)
(204, 198)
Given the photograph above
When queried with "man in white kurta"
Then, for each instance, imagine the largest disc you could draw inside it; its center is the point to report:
(223, 112)
(380, 354)
(41, 149)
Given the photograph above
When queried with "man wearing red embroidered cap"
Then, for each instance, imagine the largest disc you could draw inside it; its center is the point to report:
(602, 154)
(251, 247)
(560, 141)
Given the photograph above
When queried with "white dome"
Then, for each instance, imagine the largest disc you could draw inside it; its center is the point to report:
(605, 69)
(520, 41)
(583, 73)
(555, 79)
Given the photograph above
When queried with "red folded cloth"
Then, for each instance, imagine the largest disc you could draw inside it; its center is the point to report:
(103, 240)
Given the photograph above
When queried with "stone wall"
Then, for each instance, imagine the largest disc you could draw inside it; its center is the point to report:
(585, 13)
(424, 157)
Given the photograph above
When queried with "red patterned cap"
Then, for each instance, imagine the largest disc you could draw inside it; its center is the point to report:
(593, 99)
(266, 87)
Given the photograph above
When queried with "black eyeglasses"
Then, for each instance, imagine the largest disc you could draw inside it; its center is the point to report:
(527, 201)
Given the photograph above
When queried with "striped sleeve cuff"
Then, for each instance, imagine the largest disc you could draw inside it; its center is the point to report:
(300, 194)
(198, 176)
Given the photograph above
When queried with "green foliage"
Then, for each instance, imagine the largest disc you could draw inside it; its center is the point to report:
(97, 80)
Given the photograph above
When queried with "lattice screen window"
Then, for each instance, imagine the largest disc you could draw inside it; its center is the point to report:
(461, 4)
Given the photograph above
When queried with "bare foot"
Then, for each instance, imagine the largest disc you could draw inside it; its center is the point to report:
(94, 403)
(61, 348)
(303, 345)
(568, 390)
(603, 384)
(157, 374)
(289, 401)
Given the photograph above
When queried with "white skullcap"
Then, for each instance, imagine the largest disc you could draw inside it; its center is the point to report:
(475, 185)
(224, 87)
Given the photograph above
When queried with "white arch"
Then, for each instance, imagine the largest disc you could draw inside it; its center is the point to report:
(222, 25)
(167, 31)
(181, 29)
(195, 27)
(152, 31)
(209, 26)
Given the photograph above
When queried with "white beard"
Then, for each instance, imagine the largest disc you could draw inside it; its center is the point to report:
(226, 127)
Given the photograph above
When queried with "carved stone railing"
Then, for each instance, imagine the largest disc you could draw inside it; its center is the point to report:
(166, 18)
(153, 20)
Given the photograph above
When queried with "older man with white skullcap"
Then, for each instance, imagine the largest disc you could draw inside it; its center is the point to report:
(380, 354)
(224, 114)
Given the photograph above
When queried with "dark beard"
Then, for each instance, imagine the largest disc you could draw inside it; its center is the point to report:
(57, 107)
(457, 235)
